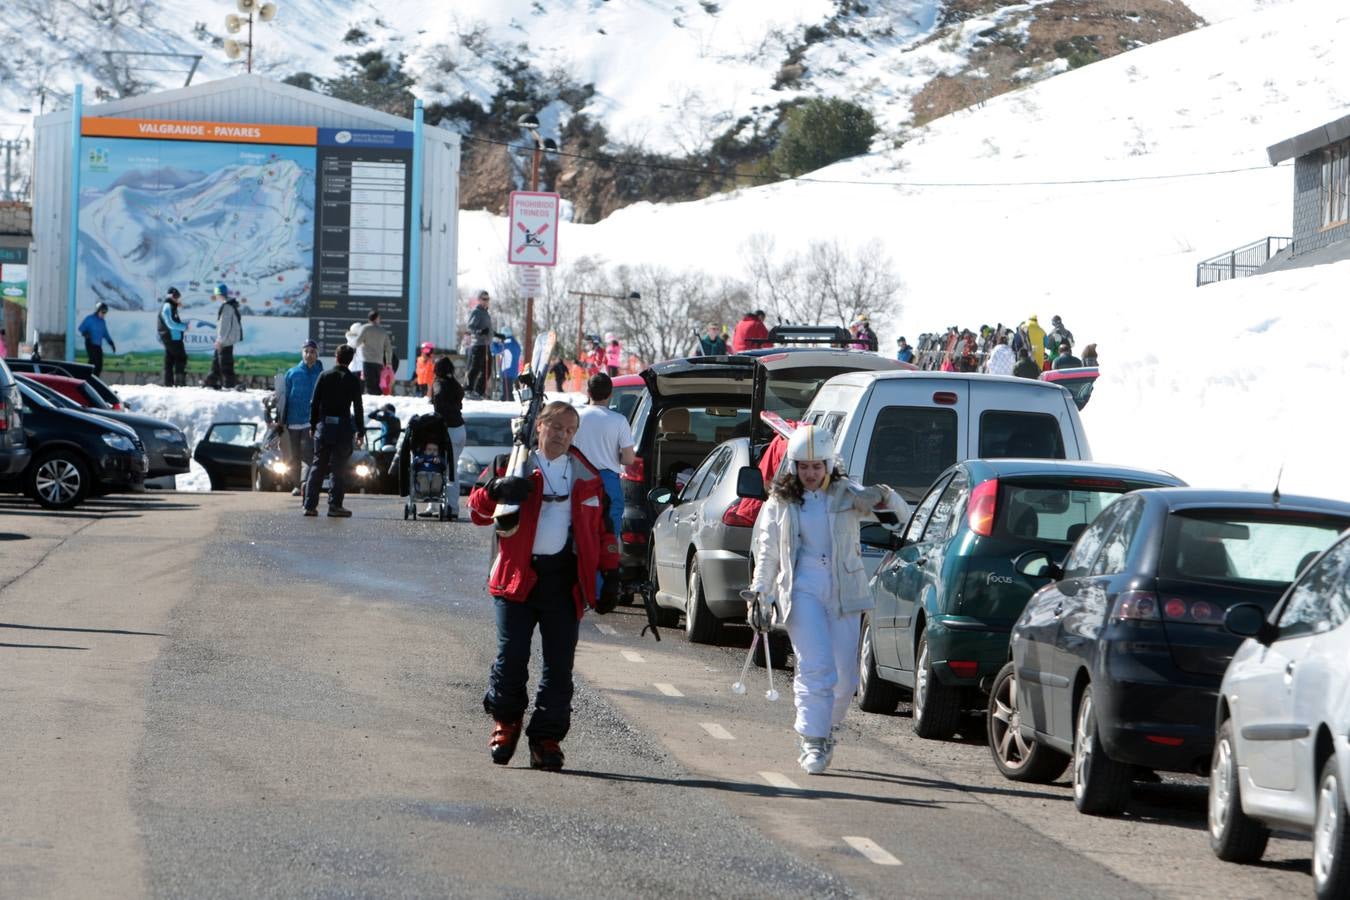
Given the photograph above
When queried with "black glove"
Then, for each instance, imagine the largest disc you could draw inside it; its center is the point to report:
(112, 345)
(609, 593)
(511, 490)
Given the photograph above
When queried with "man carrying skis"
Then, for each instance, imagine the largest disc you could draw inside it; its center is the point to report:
(544, 575)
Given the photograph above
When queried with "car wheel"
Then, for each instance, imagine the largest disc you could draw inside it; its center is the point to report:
(58, 480)
(1018, 758)
(937, 706)
(1234, 836)
(700, 625)
(1101, 786)
(875, 694)
(1331, 835)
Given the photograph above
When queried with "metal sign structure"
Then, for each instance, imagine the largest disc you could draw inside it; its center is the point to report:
(532, 238)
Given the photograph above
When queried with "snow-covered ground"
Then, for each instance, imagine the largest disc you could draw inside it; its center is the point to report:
(1222, 385)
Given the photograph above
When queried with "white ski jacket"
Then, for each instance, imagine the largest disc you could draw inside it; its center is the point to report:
(776, 539)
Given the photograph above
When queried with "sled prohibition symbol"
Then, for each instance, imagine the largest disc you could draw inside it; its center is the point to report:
(532, 234)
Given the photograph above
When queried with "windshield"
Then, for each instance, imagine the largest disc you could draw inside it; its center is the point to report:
(32, 396)
(789, 393)
(488, 432)
(1242, 545)
(50, 395)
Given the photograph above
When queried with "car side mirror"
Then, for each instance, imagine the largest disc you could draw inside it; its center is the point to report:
(1039, 564)
(750, 483)
(660, 496)
(881, 537)
(1249, 620)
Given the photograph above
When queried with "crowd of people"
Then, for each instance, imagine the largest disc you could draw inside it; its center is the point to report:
(1025, 350)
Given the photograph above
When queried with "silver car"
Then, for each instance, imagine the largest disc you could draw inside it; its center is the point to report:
(1282, 754)
(488, 434)
(701, 545)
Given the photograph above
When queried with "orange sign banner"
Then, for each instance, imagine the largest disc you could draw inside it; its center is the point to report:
(223, 132)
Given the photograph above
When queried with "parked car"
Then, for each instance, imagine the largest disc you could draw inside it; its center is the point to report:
(245, 456)
(14, 452)
(1282, 754)
(905, 428)
(83, 371)
(947, 599)
(165, 443)
(692, 405)
(487, 434)
(75, 455)
(627, 391)
(1118, 661)
(701, 546)
(1078, 381)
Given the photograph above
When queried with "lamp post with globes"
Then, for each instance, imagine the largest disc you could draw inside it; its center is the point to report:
(581, 311)
(264, 12)
(529, 123)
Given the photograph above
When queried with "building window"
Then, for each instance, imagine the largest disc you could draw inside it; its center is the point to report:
(1334, 205)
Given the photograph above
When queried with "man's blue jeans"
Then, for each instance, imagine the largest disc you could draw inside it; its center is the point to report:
(550, 606)
(614, 491)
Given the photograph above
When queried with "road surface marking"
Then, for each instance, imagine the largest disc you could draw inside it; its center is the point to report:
(669, 690)
(605, 629)
(717, 731)
(869, 848)
(632, 656)
(780, 780)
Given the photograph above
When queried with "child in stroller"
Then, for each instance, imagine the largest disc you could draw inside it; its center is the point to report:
(424, 469)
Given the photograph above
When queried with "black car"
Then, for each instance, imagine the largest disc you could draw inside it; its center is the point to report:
(1118, 661)
(244, 456)
(75, 455)
(164, 442)
(83, 371)
(14, 452)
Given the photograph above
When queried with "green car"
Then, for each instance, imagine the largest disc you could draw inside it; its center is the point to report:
(952, 586)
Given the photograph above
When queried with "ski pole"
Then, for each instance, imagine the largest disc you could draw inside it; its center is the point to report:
(739, 686)
(771, 695)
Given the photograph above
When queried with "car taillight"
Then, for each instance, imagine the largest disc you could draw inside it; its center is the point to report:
(1137, 606)
(4, 415)
(736, 517)
(633, 537)
(1200, 612)
(982, 506)
(963, 668)
(636, 471)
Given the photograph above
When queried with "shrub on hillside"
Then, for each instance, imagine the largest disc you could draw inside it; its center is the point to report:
(820, 132)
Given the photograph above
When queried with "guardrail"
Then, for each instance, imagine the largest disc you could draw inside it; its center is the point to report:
(1241, 262)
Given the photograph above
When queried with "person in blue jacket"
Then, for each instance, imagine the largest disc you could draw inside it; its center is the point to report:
(510, 362)
(903, 351)
(296, 394)
(95, 331)
(171, 329)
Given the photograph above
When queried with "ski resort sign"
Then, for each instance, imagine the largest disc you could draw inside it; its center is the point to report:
(533, 237)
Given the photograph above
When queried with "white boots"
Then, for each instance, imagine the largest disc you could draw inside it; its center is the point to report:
(815, 755)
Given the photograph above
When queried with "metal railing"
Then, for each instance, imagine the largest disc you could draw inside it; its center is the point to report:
(1239, 263)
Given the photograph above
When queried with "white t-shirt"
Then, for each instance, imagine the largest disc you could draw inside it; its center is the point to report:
(601, 435)
(555, 517)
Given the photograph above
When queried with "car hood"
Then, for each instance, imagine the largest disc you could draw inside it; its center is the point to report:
(100, 422)
(482, 455)
(133, 420)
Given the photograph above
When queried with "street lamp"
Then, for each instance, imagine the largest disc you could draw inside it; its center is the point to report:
(581, 311)
(264, 12)
(529, 123)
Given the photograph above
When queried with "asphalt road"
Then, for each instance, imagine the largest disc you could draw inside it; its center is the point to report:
(208, 695)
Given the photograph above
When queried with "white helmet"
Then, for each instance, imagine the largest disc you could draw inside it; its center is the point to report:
(810, 444)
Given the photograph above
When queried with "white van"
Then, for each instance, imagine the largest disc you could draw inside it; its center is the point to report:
(903, 428)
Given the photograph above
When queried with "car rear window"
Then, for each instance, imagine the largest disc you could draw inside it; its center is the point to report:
(1051, 509)
(1239, 545)
(488, 432)
(910, 448)
(1022, 435)
(790, 392)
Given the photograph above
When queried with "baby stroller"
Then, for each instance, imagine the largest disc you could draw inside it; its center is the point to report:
(424, 469)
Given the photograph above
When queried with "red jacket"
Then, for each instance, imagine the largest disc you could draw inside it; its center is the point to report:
(593, 538)
(750, 334)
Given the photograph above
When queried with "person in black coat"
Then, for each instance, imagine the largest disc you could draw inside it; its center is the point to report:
(335, 413)
(447, 399)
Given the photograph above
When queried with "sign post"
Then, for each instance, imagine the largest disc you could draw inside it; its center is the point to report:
(532, 240)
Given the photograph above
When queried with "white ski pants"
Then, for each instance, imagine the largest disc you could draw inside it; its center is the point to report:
(826, 644)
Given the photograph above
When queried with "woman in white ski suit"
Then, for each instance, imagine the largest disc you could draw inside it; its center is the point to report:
(808, 560)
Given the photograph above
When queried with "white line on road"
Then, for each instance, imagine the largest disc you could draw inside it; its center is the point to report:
(669, 690)
(717, 731)
(633, 657)
(605, 629)
(869, 848)
(779, 780)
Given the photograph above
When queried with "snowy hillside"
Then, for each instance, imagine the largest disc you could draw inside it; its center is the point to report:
(980, 237)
